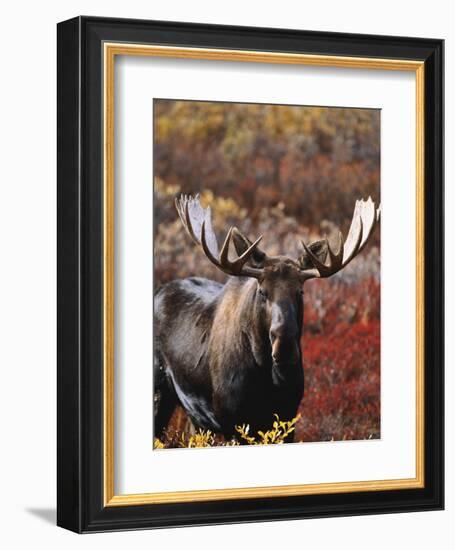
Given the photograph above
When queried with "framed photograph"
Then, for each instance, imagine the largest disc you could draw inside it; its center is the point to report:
(250, 274)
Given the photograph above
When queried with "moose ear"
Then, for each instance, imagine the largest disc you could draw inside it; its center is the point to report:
(242, 243)
(319, 249)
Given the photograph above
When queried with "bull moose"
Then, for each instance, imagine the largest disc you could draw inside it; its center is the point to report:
(230, 353)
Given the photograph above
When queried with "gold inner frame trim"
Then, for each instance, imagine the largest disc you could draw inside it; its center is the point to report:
(110, 50)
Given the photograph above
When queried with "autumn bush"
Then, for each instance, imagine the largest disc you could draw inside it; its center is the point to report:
(275, 435)
(287, 173)
(341, 349)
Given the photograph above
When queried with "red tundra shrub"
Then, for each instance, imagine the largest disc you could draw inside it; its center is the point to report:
(342, 365)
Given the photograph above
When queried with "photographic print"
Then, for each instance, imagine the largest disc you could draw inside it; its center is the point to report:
(266, 274)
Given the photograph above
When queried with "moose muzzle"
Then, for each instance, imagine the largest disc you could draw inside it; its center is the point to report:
(284, 335)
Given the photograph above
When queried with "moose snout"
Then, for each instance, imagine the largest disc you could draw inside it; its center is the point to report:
(284, 333)
(284, 346)
(274, 335)
(275, 342)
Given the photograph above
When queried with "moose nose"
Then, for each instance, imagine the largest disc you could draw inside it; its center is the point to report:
(273, 335)
(276, 336)
(283, 342)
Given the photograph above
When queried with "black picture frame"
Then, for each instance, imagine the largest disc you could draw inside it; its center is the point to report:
(80, 475)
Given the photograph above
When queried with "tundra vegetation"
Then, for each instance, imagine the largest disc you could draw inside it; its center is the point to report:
(289, 174)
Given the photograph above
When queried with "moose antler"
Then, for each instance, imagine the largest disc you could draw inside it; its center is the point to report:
(198, 223)
(364, 220)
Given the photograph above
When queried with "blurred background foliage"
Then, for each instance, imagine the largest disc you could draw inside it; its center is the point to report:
(287, 173)
(313, 160)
